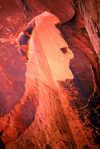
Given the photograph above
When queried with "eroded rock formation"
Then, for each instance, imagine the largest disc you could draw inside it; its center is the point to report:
(49, 77)
(90, 11)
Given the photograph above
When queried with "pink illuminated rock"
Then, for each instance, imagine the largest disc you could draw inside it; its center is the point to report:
(43, 114)
(48, 56)
(44, 98)
(46, 46)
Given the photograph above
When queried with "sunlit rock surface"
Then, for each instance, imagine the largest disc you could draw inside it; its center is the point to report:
(48, 95)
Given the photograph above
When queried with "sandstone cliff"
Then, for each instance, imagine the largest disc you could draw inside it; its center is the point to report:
(49, 80)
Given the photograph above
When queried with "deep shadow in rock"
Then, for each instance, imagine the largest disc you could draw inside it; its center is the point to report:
(24, 35)
(94, 100)
(1, 143)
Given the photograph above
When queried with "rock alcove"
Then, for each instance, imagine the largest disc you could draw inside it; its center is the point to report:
(49, 74)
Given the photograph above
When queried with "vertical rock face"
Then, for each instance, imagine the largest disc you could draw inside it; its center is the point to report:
(90, 11)
(62, 9)
(46, 100)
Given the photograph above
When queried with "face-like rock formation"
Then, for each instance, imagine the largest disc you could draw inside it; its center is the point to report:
(47, 51)
(48, 76)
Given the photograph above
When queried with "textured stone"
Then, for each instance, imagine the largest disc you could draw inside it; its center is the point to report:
(42, 97)
(91, 16)
(63, 9)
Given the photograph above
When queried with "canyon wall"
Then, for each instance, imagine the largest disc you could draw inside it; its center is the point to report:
(90, 11)
(48, 99)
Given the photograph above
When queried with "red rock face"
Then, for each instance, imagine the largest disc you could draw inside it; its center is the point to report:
(65, 13)
(12, 82)
(47, 84)
(91, 14)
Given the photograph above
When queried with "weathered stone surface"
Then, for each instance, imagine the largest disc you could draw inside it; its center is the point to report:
(63, 9)
(90, 11)
(12, 77)
(46, 100)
